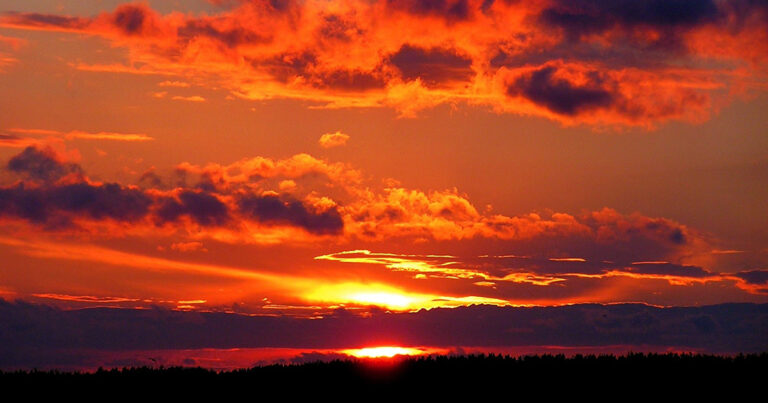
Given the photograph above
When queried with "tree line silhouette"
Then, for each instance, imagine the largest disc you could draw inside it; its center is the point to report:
(634, 374)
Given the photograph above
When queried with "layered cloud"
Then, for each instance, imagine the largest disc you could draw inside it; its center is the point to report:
(56, 195)
(312, 207)
(590, 61)
(259, 196)
(43, 330)
(490, 271)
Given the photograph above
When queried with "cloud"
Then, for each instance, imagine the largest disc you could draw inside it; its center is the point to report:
(310, 205)
(754, 276)
(86, 298)
(134, 19)
(270, 209)
(177, 84)
(58, 205)
(336, 139)
(589, 62)
(193, 98)
(44, 165)
(301, 198)
(560, 95)
(584, 17)
(451, 10)
(82, 135)
(533, 270)
(754, 281)
(727, 328)
(188, 246)
(205, 209)
(433, 67)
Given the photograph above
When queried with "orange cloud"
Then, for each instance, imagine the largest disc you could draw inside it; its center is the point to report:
(589, 62)
(330, 140)
(188, 246)
(193, 98)
(82, 135)
(303, 199)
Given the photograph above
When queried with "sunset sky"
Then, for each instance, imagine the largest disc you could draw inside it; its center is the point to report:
(300, 158)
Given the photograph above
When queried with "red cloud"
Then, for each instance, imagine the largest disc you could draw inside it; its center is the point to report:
(591, 61)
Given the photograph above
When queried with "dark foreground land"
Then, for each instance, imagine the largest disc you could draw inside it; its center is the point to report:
(482, 377)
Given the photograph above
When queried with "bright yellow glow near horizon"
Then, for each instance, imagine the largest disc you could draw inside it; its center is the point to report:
(367, 294)
(382, 352)
(389, 297)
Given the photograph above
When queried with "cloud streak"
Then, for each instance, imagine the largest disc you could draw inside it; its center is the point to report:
(82, 135)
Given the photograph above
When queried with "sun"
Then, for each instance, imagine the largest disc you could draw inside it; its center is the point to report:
(382, 352)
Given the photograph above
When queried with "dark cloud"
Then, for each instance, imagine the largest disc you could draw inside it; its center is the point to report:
(754, 276)
(9, 137)
(451, 10)
(348, 80)
(109, 200)
(131, 19)
(43, 165)
(28, 204)
(204, 208)
(46, 20)
(151, 179)
(669, 269)
(580, 17)
(340, 28)
(54, 204)
(287, 66)
(278, 5)
(497, 267)
(273, 210)
(229, 36)
(434, 66)
(726, 328)
(560, 95)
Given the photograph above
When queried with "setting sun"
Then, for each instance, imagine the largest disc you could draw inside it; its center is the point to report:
(383, 352)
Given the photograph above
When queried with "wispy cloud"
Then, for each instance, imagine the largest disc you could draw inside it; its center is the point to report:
(82, 135)
(192, 98)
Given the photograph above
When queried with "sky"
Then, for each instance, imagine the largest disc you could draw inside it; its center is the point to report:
(303, 159)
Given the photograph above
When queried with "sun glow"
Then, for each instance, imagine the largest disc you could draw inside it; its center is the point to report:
(368, 294)
(389, 297)
(381, 298)
(383, 352)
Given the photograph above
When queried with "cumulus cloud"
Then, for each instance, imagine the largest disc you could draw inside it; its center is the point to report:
(258, 199)
(336, 139)
(559, 95)
(41, 164)
(271, 209)
(59, 196)
(589, 61)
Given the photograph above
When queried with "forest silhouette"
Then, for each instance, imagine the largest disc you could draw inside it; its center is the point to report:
(634, 374)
